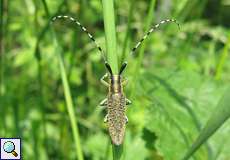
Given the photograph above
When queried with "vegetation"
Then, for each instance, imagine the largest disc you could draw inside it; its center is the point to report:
(178, 79)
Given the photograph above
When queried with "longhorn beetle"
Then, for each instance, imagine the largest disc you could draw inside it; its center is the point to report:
(116, 101)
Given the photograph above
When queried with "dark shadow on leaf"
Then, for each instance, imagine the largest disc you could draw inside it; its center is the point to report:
(150, 138)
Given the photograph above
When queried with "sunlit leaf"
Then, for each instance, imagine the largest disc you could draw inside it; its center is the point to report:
(217, 119)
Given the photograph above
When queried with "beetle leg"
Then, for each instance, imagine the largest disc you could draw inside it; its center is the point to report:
(103, 102)
(126, 119)
(106, 118)
(124, 82)
(127, 101)
(103, 80)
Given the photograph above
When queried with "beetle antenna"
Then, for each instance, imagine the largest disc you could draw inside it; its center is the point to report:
(123, 67)
(108, 67)
(82, 28)
(153, 29)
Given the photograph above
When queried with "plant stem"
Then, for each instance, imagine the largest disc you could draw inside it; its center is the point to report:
(1, 49)
(110, 34)
(41, 67)
(68, 98)
(223, 58)
(3, 29)
(117, 152)
(110, 37)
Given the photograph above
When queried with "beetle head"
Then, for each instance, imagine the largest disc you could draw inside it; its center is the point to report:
(123, 66)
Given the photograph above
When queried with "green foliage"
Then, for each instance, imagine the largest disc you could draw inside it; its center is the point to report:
(110, 34)
(217, 119)
(68, 98)
(180, 104)
(111, 48)
(175, 81)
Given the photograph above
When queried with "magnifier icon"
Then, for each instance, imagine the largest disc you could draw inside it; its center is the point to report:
(9, 147)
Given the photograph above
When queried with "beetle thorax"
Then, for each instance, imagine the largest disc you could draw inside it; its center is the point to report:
(115, 84)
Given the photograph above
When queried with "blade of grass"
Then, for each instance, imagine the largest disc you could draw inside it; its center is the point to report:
(217, 119)
(117, 152)
(2, 66)
(1, 49)
(38, 57)
(223, 58)
(185, 9)
(110, 36)
(210, 61)
(68, 98)
(179, 8)
(41, 85)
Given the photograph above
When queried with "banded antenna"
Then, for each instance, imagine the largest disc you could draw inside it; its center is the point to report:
(153, 29)
(82, 28)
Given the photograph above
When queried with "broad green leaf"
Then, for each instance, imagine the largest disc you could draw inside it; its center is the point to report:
(179, 104)
(217, 119)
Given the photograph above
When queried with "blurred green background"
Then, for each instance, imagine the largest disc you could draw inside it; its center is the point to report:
(174, 87)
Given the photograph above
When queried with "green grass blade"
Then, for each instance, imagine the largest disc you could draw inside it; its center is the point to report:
(2, 69)
(217, 119)
(223, 59)
(117, 152)
(1, 49)
(110, 34)
(180, 7)
(68, 98)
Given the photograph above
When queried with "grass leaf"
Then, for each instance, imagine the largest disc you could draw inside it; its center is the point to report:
(68, 98)
(217, 119)
(110, 35)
